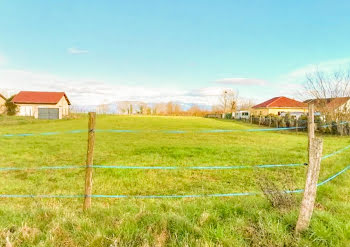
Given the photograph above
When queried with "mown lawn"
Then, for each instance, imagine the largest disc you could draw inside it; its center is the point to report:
(207, 221)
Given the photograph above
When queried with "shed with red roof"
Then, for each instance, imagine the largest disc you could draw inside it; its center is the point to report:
(279, 105)
(43, 105)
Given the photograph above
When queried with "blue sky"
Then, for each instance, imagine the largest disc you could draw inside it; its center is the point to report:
(182, 50)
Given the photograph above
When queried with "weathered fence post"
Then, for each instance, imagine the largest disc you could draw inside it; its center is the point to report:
(311, 124)
(315, 154)
(89, 160)
(308, 202)
(260, 120)
(296, 125)
(269, 120)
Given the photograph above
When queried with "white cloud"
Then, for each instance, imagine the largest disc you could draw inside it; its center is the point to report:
(76, 51)
(241, 81)
(94, 92)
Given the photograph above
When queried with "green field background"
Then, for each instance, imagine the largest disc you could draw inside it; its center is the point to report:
(229, 221)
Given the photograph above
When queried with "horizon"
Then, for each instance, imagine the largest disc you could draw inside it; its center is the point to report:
(186, 52)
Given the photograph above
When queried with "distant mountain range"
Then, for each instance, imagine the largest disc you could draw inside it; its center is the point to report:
(114, 108)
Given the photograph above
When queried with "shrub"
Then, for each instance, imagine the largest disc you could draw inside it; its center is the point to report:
(334, 129)
(11, 108)
(228, 115)
(282, 123)
(275, 193)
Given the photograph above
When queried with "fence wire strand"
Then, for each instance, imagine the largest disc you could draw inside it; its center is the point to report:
(171, 196)
(169, 167)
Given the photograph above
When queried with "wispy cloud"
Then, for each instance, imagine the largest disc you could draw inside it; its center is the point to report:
(241, 81)
(94, 91)
(299, 75)
(76, 51)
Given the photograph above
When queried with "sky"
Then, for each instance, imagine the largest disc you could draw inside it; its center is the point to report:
(157, 51)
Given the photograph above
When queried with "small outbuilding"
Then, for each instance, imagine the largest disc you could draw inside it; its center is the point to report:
(42, 105)
(242, 115)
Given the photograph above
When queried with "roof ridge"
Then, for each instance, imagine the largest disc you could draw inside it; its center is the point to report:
(42, 91)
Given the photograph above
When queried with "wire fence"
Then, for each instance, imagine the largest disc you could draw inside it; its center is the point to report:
(165, 131)
(145, 131)
(2, 168)
(339, 127)
(171, 196)
(162, 167)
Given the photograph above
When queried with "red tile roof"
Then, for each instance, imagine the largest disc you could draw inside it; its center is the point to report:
(28, 97)
(331, 103)
(281, 102)
(337, 102)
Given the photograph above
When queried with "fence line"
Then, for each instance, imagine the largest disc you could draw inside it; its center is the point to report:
(171, 196)
(165, 131)
(149, 167)
(169, 167)
(141, 131)
(159, 131)
(309, 187)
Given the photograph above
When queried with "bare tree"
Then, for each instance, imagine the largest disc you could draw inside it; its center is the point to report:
(169, 108)
(228, 101)
(233, 100)
(103, 108)
(194, 110)
(177, 109)
(142, 108)
(4, 93)
(159, 109)
(123, 107)
(216, 109)
(329, 91)
(245, 104)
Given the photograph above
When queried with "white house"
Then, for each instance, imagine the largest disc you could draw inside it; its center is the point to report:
(42, 105)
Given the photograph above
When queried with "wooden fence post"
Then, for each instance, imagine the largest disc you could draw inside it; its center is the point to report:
(311, 123)
(296, 125)
(315, 153)
(89, 160)
(308, 202)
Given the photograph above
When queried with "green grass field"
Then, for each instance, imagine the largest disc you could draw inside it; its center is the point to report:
(205, 221)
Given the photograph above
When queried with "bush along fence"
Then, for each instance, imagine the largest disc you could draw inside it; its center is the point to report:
(300, 124)
(313, 166)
